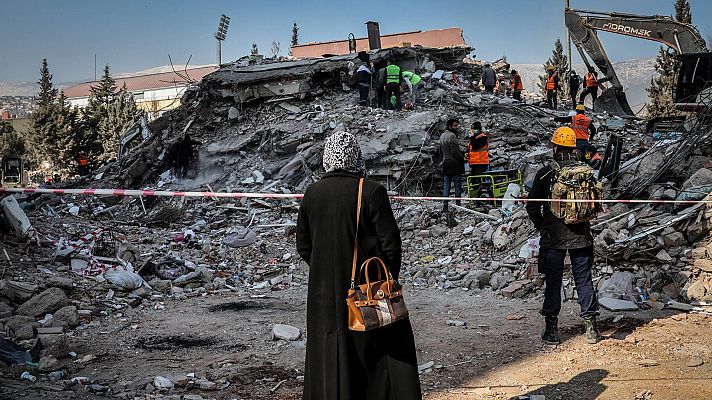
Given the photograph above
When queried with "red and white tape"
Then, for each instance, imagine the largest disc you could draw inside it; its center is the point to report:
(239, 195)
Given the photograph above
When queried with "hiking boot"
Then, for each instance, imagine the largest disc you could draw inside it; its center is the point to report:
(593, 336)
(451, 221)
(551, 331)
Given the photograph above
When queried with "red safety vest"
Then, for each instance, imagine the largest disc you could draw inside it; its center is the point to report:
(517, 83)
(550, 83)
(591, 80)
(580, 124)
(479, 156)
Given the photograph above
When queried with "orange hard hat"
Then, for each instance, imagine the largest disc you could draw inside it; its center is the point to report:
(564, 136)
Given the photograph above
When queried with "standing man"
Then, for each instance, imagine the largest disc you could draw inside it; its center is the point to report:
(558, 239)
(453, 161)
(415, 84)
(364, 75)
(184, 155)
(394, 77)
(590, 86)
(381, 87)
(478, 150)
(574, 85)
(489, 78)
(552, 86)
(82, 164)
(582, 127)
(517, 86)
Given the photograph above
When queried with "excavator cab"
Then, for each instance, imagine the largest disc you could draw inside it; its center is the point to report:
(694, 82)
(12, 172)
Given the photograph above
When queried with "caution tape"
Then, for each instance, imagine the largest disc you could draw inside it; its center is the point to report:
(239, 195)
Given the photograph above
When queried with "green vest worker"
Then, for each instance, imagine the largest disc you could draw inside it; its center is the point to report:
(394, 77)
(415, 84)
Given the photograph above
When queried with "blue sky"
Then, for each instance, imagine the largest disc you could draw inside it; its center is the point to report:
(132, 35)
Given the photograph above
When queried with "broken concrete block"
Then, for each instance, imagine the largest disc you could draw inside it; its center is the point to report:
(46, 302)
(233, 114)
(285, 332)
(69, 315)
(59, 282)
(703, 264)
(663, 256)
(17, 220)
(695, 291)
(617, 304)
(701, 177)
(454, 322)
(161, 382)
(18, 292)
(500, 279)
(516, 286)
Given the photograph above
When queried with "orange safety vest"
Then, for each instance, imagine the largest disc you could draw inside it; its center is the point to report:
(550, 84)
(517, 83)
(83, 161)
(478, 156)
(580, 124)
(591, 80)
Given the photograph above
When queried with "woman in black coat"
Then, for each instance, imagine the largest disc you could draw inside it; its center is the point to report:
(341, 364)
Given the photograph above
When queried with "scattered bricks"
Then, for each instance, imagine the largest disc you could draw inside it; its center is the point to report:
(516, 286)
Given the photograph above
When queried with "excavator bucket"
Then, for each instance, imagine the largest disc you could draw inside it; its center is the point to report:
(614, 102)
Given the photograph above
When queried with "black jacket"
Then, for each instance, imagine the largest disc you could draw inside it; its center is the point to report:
(555, 234)
(574, 83)
(342, 364)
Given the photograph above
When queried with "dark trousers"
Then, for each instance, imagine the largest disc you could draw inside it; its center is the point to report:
(593, 91)
(381, 97)
(393, 89)
(489, 89)
(363, 91)
(552, 99)
(457, 181)
(517, 95)
(581, 264)
(574, 97)
(478, 169)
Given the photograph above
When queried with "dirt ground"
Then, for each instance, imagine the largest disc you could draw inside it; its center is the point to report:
(227, 338)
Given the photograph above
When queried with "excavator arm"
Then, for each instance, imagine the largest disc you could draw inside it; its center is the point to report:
(583, 26)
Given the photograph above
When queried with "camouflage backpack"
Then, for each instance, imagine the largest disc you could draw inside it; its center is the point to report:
(575, 181)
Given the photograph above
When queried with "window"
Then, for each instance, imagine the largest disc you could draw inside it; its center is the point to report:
(138, 96)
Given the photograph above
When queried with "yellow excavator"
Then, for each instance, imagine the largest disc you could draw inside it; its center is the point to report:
(694, 78)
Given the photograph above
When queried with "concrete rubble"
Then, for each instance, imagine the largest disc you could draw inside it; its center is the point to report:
(262, 127)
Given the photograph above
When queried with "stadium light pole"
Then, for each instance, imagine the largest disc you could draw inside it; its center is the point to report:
(220, 35)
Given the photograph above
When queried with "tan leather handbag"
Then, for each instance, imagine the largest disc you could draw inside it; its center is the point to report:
(372, 304)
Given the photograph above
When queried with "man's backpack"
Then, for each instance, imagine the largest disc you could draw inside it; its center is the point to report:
(575, 181)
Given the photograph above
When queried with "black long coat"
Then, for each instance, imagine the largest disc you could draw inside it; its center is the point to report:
(342, 364)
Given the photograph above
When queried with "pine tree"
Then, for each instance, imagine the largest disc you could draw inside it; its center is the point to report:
(666, 66)
(295, 34)
(65, 141)
(561, 65)
(121, 113)
(254, 50)
(100, 97)
(48, 94)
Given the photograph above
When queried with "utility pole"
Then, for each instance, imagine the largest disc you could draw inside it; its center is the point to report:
(220, 36)
(567, 5)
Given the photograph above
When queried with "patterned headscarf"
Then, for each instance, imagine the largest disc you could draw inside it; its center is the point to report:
(342, 153)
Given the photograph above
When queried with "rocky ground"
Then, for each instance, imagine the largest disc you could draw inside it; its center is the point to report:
(227, 339)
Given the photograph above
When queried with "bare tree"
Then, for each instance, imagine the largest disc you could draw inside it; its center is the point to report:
(275, 49)
(255, 51)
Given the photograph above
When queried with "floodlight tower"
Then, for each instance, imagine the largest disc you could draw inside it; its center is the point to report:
(221, 34)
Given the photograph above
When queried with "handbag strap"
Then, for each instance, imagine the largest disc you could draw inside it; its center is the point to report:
(358, 218)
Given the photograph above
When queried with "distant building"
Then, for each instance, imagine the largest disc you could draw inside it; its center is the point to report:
(437, 38)
(5, 115)
(154, 93)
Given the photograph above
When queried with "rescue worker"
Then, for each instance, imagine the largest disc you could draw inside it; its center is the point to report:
(478, 150)
(82, 164)
(184, 154)
(582, 127)
(453, 160)
(517, 86)
(489, 78)
(415, 84)
(593, 158)
(590, 86)
(559, 239)
(381, 87)
(394, 78)
(364, 74)
(574, 86)
(552, 86)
